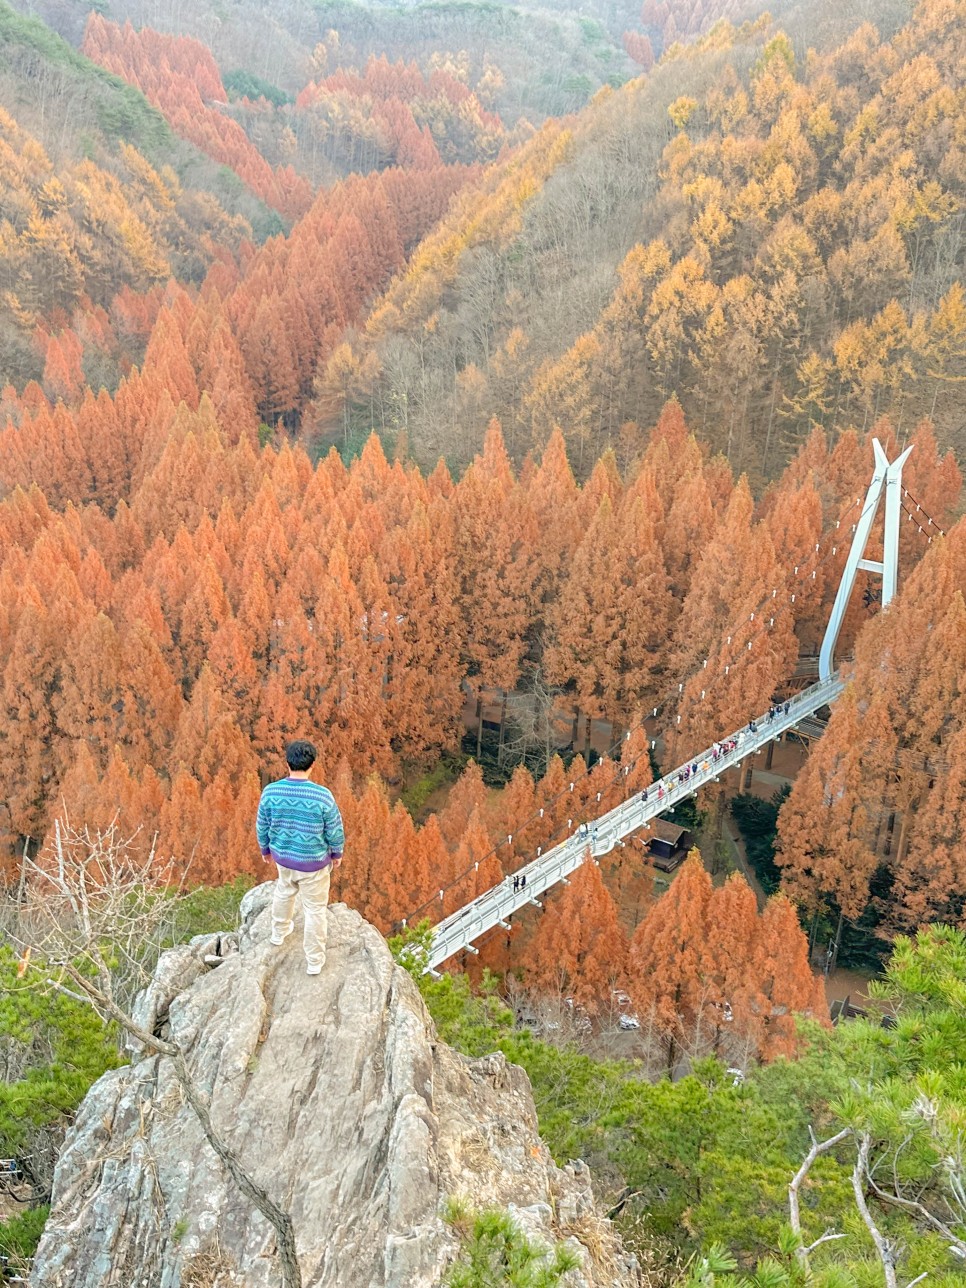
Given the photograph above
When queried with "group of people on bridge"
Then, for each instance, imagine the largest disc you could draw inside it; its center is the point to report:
(687, 772)
(773, 714)
(718, 749)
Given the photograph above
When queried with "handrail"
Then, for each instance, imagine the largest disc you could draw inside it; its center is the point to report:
(495, 906)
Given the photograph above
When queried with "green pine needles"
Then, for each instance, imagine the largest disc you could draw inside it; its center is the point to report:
(497, 1254)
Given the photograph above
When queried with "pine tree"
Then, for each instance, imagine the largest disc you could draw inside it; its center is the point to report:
(732, 620)
(610, 623)
(635, 760)
(474, 869)
(90, 703)
(208, 741)
(554, 806)
(794, 522)
(235, 672)
(206, 607)
(180, 825)
(347, 652)
(63, 375)
(493, 564)
(422, 688)
(227, 844)
(515, 807)
(783, 983)
(732, 935)
(551, 502)
(33, 658)
(424, 872)
(80, 796)
(110, 453)
(824, 829)
(363, 881)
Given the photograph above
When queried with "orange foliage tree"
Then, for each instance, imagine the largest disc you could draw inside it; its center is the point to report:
(579, 949)
(711, 975)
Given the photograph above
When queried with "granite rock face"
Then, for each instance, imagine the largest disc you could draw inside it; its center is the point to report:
(336, 1096)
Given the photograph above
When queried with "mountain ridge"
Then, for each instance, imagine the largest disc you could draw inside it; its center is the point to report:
(740, 230)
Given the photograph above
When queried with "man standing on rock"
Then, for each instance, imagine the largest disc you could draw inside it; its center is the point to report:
(299, 827)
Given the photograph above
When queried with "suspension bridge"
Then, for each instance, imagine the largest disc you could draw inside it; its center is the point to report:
(494, 908)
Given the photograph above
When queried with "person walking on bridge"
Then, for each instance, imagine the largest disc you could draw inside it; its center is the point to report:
(299, 828)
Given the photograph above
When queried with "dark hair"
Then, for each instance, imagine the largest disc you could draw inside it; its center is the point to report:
(300, 755)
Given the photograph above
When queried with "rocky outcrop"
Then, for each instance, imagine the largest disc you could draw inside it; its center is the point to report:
(336, 1096)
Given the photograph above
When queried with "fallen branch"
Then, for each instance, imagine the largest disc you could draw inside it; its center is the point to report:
(828, 1237)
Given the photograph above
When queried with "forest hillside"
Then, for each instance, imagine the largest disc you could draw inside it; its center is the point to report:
(489, 393)
(773, 236)
(99, 202)
(527, 60)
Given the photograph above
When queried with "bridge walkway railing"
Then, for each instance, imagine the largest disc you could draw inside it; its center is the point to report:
(458, 931)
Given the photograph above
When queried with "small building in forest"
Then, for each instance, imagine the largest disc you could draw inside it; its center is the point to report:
(845, 1009)
(669, 845)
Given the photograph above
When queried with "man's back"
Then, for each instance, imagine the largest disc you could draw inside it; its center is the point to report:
(299, 824)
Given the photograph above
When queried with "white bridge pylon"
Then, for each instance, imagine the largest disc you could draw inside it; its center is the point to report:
(458, 931)
(886, 478)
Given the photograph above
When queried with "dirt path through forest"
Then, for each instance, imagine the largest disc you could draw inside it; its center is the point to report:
(736, 849)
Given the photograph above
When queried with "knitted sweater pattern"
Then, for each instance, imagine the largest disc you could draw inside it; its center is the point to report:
(299, 825)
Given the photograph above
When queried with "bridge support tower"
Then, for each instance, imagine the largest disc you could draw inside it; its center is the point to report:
(886, 479)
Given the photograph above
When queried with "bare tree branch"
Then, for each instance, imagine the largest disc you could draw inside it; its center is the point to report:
(883, 1246)
(828, 1237)
(918, 1209)
(794, 1211)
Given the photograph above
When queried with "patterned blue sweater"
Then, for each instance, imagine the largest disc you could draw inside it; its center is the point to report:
(299, 825)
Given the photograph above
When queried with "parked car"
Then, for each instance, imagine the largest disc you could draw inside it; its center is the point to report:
(628, 1022)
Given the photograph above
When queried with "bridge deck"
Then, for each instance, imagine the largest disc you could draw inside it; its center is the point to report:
(496, 906)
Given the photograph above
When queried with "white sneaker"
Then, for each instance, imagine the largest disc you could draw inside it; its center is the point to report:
(314, 970)
(280, 939)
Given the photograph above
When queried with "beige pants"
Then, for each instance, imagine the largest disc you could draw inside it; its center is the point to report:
(313, 888)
